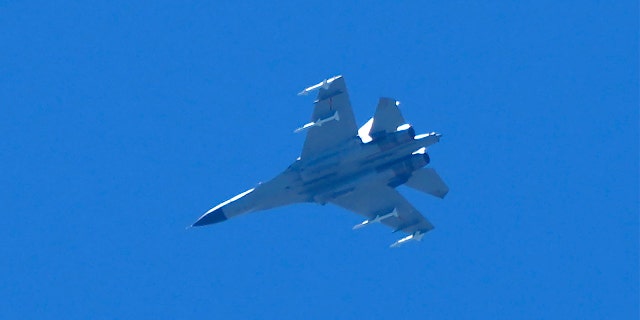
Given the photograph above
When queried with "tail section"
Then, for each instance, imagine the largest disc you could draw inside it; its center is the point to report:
(387, 118)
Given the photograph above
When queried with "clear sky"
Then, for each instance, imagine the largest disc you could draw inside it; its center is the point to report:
(121, 123)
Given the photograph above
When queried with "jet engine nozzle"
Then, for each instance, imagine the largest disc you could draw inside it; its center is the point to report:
(417, 161)
(407, 130)
(425, 155)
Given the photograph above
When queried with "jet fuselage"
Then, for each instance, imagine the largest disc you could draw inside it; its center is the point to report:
(389, 159)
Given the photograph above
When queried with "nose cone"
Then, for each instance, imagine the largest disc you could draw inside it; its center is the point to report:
(211, 217)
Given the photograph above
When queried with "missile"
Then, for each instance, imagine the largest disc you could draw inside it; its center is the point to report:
(427, 135)
(417, 236)
(319, 122)
(378, 218)
(324, 85)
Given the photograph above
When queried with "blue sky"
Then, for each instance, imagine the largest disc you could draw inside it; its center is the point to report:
(123, 122)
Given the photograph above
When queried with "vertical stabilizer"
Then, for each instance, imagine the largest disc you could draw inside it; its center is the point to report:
(387, 118)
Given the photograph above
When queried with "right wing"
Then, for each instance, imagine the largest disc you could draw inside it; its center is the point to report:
(332, 122)
(376, 200)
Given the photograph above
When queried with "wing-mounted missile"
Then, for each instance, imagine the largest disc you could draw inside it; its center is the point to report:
(319, 122)
(324, 85)
(431, 136)
(378, 218)
(417, 236)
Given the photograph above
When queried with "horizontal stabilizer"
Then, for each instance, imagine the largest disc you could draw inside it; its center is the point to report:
(428, 181)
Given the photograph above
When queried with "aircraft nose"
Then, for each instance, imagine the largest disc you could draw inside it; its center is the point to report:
(211, 217)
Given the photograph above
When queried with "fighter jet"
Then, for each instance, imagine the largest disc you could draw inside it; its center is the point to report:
(357, 169)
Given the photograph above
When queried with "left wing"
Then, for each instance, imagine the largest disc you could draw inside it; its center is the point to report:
(376, 202)
(332, 121)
